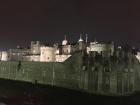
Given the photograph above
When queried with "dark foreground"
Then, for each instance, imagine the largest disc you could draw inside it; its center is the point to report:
(17, 93)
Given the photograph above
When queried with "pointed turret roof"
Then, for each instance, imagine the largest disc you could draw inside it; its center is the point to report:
(80, 40)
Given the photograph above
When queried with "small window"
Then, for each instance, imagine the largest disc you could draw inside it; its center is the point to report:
(92, 68)
(83, 68)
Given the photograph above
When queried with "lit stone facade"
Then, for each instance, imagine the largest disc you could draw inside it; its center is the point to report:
(138, 56)
(4, 56)
(18, 54)
(66, 49)
(93, 72)
(31, 58)
(88, 50)
(35, 47)
(58, 53)
(101, 47)
(61, 58)
(47, 54)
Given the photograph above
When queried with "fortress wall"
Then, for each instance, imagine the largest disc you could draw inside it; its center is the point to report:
(122, 78)
(44, 73)
(93, 73)
(102, 47)
(58, 74)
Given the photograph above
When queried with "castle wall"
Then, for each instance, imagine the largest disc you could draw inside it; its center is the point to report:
(61, 58)
(35, 47)
(18, 54)
(138, 56)
(44, 73)
(66, 49)
(31, 58)
(47, 54)
(98, 47)
(91, 73)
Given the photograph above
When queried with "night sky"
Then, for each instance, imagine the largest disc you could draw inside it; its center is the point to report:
(22, 21)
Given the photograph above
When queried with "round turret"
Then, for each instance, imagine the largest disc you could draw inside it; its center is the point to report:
(64, 42)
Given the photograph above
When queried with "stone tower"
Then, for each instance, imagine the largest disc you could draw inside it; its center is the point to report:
(35, 47)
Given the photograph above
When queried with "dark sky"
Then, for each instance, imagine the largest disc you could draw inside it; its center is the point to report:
(49, 20)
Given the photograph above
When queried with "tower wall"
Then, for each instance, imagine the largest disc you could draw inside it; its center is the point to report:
(47, 54)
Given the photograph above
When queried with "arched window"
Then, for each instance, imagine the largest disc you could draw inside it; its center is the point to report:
(83, 67)
(48, 58)
(92, 68)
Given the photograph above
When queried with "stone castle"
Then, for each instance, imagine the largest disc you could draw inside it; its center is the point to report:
(54, 53)
(95, 67)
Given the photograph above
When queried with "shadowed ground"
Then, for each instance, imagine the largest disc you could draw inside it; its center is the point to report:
(19, 93)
